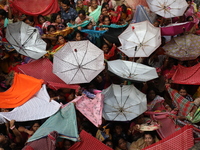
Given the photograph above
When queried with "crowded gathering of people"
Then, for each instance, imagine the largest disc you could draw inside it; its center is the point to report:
(79, 20)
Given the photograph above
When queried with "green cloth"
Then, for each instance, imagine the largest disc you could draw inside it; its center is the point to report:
(64, 122)
(84, 8)
(85, 23)
(96, 13)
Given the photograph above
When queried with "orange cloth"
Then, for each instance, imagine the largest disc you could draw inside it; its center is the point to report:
(22, 89)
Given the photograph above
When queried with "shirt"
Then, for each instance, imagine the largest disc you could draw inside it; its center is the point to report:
(70, 15)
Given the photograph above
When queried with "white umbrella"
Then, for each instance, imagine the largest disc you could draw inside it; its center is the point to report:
(168, 8)
(122, 103)
(132, 71)
(140, 39)
(26, 40)
(78, 62)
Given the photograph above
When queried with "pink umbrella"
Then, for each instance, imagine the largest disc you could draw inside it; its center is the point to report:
(176, 28)
(91, 108)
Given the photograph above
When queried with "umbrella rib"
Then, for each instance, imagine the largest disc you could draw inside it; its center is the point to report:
(30, 36)
(83, 74)
(126, 100)
(65, 61)
(68, 70)
(91, 60)
(14, 39)
(124, 115)
(117, 101)
(75, 74)
(85, 52)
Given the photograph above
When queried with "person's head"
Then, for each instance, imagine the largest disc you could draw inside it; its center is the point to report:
(41, 19)
(35, 126)
(89, 26)
(29, 20)
(105, 48)
(104, 11)
(3, 14)
(94, 4)
(60, 39)
(65, 4)
(124, 8)
(67, 144)
(82, 14)
(151, 94)
(189, 2)
(79, 3)
(118, 129)
(121, 143)
(106, 20)
(106, 5)
(51, 29)
(109, 143)
(56, 18)
(149, 137)
(156, 24)
(183, 91)
(78, 35)
(4, 141)
(190, 18)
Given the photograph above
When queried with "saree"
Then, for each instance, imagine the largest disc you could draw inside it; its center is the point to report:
(156, 104)
(96, 13)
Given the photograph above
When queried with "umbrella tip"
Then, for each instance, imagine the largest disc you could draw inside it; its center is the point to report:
(75, 50)
(121, 85)
(133, 27)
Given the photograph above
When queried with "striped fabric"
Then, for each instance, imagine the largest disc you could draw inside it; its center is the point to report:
(180, 140)
(88, 142)
(182, 103)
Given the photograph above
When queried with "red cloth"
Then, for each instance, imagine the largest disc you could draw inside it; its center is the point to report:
(180, 140)
(187, 75)
(36, 7)
(88, 142)
(22, 89)
(42, 69)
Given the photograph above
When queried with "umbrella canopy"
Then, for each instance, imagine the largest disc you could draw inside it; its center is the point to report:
(26, 40)
(122, 103)
(168, 9)
(186, 47)
(142, 35)
(134, 3)
(132, 71)
(176, 28)
(78, 62)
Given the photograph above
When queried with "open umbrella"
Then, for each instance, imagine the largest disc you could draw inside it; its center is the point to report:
(78, 62)
(132, 71)
(26, 40)
(123, 103)
(142, 35)
(186, 47)
(176, 28)
(168, 8)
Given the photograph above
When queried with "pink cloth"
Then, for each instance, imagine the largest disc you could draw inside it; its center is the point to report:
(180, 140)
(88, 142)
(91, 108)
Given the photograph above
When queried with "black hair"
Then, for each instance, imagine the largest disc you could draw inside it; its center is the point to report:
(30, 18)
(188, 18)
(182, 87)
(124, 8)
(3, 13)
(82, 12)
(104, 5)
(66, 2)
(116, 141)
(40, 16)
(104, 17)
(51, 26)
(54, 16)
(152, 133)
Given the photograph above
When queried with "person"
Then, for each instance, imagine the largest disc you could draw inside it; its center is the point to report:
(121, 144)
(67, 12)
(78, 36)
(126, 13)
(43, 23)
(56, 20)
(108, 54)
(83, 17)
(94, 10)
(148, 139)
(183, 92)
(66, 144)
(80, 6)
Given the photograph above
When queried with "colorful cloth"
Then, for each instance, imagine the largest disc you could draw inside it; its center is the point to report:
(38, 107)
(187, 75)
(182, 103)
(91, 108)
(22, 89)
(96, 13)
(47, 143)
(64, 122)
(180, 140)
(94, 33)
(88, 142)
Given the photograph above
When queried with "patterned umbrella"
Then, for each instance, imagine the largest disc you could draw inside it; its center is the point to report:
(78, 62)
(142, 35)
(122, 103)
(186, 47)
(168, 9)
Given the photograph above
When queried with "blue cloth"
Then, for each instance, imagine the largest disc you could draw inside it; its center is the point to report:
(64, 122)
(115, 25)
(83, 24)
(70, 15)
(94, 33)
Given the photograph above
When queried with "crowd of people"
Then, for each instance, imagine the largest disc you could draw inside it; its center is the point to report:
(76, 16)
